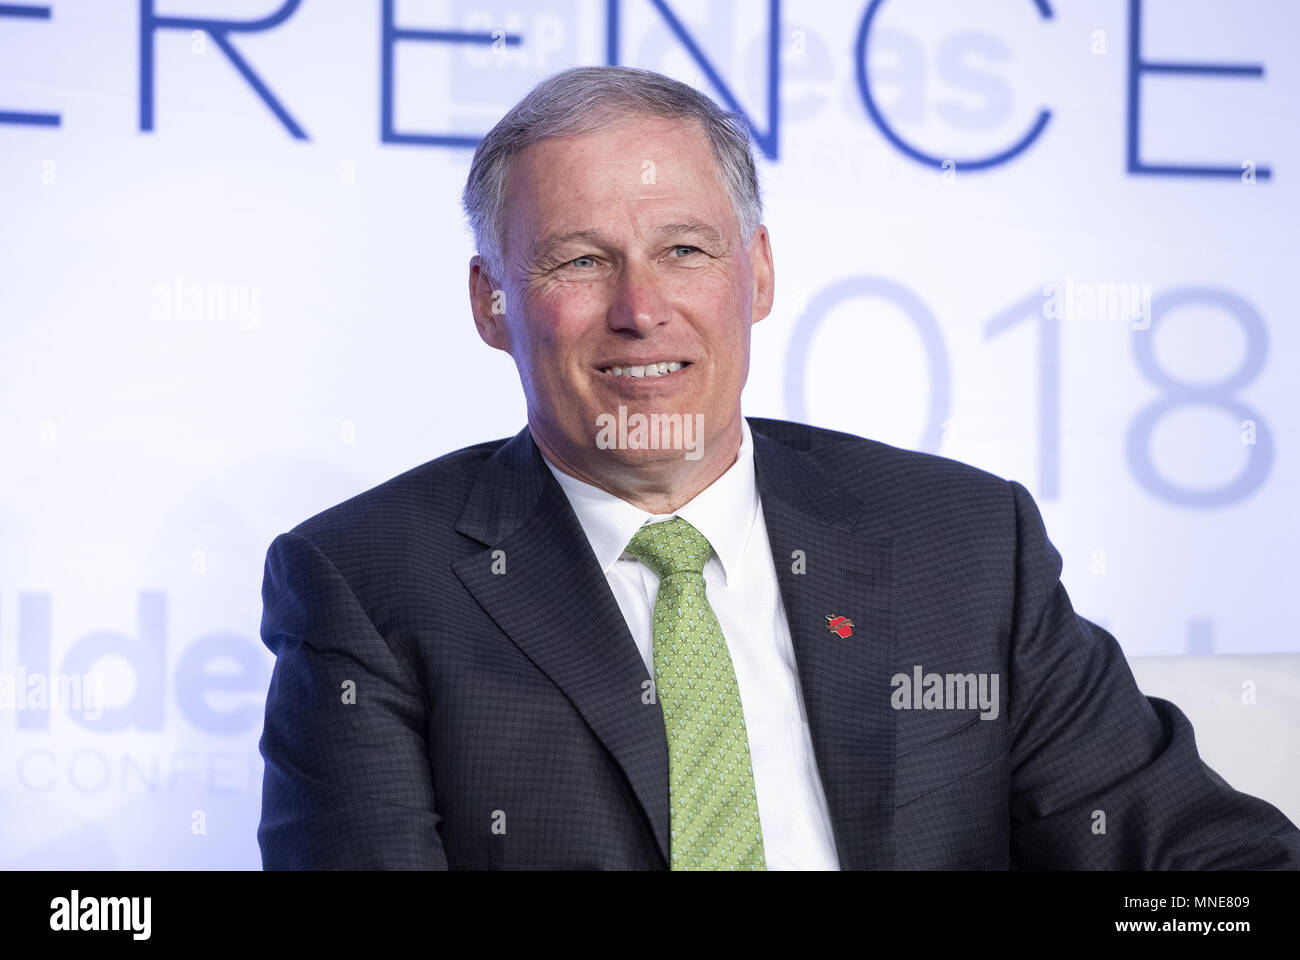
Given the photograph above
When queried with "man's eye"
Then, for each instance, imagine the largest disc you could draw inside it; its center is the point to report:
(689, 250)
(582, 262)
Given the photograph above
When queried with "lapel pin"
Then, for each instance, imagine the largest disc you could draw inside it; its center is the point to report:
(840, 625)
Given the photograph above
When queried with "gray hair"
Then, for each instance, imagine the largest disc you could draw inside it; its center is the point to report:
(586, 99)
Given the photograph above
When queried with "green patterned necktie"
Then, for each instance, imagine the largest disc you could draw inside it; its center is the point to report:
(713, 807)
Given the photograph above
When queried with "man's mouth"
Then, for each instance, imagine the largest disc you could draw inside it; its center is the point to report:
(660, 368)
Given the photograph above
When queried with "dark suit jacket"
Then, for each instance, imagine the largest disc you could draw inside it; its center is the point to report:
(499, 719)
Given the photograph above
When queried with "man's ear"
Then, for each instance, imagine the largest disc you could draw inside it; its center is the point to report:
(760, 262)
(488, 303)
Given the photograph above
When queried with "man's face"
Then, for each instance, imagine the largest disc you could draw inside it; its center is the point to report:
(622, 250)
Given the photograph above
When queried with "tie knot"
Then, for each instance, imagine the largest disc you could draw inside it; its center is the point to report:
(671, 546)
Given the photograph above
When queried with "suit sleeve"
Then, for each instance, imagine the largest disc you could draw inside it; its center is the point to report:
(347, 782)
(1086, 744)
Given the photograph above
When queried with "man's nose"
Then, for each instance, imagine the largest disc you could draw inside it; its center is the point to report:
(638, 305)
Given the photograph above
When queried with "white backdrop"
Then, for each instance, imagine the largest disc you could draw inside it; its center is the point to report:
(231, 298)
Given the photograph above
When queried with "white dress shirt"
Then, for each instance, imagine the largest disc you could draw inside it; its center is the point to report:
(741, 585)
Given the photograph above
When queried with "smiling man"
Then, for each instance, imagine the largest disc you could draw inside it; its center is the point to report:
(635, 278)
(647, 632)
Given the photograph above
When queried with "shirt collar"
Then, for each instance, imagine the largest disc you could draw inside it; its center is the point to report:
(723, 512)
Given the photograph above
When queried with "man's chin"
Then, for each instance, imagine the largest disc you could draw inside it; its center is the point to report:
(647, 460)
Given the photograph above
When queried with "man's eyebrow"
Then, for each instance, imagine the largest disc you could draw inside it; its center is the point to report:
(708, 233)
(544, 247)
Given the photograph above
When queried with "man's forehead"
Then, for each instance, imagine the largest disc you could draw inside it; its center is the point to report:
(665, 169)
(629, 157)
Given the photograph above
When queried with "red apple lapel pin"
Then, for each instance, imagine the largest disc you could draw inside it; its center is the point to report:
(841, 625)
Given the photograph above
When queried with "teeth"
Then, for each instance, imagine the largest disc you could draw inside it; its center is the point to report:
(659, 369)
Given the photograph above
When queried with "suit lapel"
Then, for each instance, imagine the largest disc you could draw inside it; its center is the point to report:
(844, 681)
(555, 604)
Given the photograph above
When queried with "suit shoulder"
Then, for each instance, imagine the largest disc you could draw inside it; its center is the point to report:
(907, 493)
(430, 493)
(849, 457)
(949, 522)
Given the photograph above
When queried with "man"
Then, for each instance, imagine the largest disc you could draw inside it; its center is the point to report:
(647, 633)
